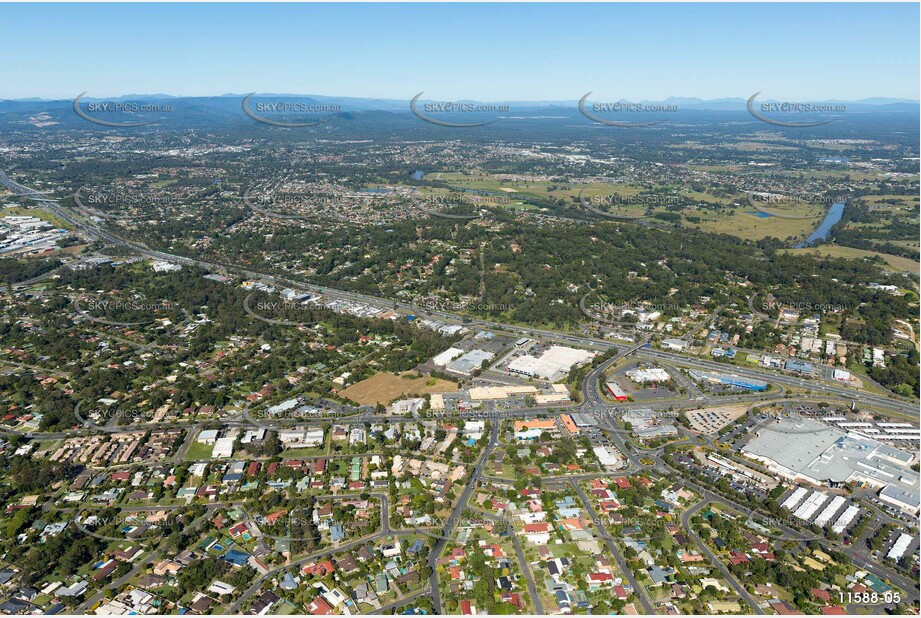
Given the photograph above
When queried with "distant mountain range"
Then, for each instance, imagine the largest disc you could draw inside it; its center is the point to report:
(359, 104)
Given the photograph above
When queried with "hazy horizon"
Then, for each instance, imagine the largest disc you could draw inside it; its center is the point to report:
(484, 52)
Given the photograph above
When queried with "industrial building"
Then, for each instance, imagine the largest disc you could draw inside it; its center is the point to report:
(552, 365)
(812, 451)
(446, 357)
(473, 359)
(678, 345)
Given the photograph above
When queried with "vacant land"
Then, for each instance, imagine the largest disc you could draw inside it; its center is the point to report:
(898, 264)
(386, 387)
(742, 223)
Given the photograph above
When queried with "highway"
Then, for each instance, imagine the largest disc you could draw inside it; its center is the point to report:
(591, 401)
(893, 404)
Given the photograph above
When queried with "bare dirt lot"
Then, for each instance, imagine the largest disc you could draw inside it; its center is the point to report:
(386, 387)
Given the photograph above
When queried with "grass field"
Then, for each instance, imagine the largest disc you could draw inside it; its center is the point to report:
(738, 222)
(896, 263)
(199, 451)
(386, 387)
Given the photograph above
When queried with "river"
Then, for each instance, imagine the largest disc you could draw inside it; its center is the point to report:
(821, 233)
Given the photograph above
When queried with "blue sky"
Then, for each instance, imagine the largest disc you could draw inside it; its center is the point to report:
(463, 51)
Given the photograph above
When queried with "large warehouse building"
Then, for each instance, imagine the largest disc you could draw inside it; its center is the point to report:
(552, 365)
(811, 451)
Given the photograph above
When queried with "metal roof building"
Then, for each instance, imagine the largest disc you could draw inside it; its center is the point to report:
(806, 449)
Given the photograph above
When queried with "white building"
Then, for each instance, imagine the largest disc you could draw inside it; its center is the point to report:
(552, 365)
(208, 436)
(446, 357)
(407, 406)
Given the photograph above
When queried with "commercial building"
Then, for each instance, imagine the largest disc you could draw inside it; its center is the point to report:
(208, 436)
(729, 379)
(647, 426)
(301, 438)
(616, 391)
(407, 406)
(653, 374)
(489, 393)
(607, 457)
(798, 367)
(532, 429)
(808, 450)
(223, 447)
(584, 420)
(569, 424)
(901, 497)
